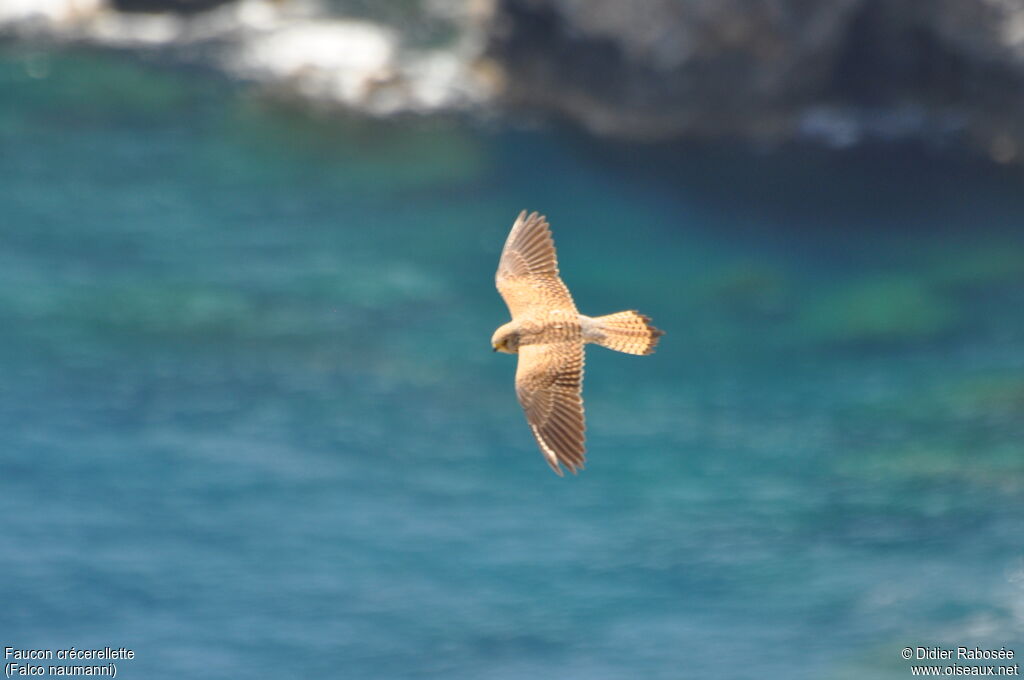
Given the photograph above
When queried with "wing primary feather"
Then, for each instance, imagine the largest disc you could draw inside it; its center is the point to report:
(565, 431)
(527, 275)
(549, 453)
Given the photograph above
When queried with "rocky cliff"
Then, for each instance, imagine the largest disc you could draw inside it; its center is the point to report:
(771, 70)
(767, 71)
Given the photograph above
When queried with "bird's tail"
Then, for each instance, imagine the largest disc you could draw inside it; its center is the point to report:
(630, 332)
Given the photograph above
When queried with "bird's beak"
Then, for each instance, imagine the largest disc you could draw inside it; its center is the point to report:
(494, 348)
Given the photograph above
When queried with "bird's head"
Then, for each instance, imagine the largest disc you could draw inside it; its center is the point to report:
(506, 339)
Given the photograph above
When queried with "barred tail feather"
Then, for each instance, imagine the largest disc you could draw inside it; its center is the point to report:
(630, 332)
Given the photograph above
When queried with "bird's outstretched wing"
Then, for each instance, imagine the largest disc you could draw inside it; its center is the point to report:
(528, 270)
(549, 382)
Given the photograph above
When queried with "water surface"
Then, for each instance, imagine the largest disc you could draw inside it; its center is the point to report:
(250, 419)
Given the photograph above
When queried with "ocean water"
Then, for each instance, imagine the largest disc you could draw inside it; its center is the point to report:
(251, 424)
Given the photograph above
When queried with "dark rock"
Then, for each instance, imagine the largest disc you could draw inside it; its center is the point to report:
(766, 69)
(180, 6)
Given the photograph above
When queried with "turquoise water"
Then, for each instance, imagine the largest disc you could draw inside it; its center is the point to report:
(250, 422)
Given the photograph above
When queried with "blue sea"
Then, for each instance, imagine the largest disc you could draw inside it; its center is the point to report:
(251, 424)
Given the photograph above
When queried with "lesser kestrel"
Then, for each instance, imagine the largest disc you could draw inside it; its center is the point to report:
(548, 334)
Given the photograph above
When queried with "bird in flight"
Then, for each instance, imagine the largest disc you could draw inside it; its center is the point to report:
(548, 334)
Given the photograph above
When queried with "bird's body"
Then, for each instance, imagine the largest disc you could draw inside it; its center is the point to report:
(556, 326)
(548, 334)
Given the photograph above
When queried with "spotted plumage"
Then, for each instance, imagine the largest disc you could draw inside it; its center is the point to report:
(548, 334)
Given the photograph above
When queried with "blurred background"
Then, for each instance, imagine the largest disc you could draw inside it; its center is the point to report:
(250, 421)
